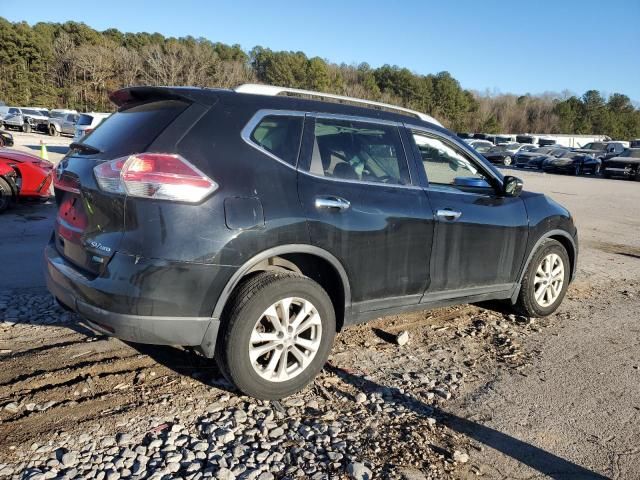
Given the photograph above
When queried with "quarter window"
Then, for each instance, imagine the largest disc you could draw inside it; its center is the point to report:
(358, 151)
(446, 165)
(280, 136)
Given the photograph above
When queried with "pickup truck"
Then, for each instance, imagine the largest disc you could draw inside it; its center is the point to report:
(63, 123)
(26, 119)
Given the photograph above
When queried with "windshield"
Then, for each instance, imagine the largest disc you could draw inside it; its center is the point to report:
(631, 152)
(57, 114)
(28, 111)
(543, 150)
(595, 146)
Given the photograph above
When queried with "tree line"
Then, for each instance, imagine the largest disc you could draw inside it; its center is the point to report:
(71, 65)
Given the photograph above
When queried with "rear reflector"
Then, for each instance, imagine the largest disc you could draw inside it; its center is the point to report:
(158, 176)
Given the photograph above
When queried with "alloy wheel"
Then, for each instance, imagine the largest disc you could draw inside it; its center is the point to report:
(549, 279)
(285, 339)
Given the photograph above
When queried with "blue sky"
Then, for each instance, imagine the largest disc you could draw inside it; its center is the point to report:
(504, 46)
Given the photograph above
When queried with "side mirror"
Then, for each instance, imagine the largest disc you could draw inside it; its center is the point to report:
(511, 186)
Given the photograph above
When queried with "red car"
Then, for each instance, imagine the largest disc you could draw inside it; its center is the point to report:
(23, 175)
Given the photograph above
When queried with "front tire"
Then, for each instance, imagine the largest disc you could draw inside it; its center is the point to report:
(546, 280)
(507, 161)
(53, 131)
(277, 334)
(26, 128)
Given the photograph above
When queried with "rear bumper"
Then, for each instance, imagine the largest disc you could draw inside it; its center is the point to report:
(111, 304)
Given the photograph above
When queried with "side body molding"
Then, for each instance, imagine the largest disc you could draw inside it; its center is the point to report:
(276, 251)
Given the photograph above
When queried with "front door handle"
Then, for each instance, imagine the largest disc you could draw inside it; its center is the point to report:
(448, 214)
(332, 203)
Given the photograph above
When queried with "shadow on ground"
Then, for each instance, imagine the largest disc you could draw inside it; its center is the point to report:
(186, 362)
(544, 462)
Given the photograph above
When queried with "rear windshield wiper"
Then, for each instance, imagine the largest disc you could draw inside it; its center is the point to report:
(83, 147)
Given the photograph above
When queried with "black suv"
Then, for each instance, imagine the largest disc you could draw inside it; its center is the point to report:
(255, 225)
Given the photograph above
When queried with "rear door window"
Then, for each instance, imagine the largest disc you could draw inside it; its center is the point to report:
(358, 151)
(133, 129)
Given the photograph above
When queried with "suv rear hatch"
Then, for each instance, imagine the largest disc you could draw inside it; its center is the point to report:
(90, 222)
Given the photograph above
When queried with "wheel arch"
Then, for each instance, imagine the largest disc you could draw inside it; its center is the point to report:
(312, 261)
(567, 242)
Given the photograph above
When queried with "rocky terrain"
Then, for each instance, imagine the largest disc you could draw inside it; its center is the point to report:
(76, 405)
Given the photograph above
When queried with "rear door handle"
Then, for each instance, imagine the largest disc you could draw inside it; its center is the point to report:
(448, 214)
(332, 203)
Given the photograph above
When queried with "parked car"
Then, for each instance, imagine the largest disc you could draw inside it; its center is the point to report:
(6, 139)
(546, 142)
(254, 225)
(634, 143)
(602, 150)
(503, 139)
(480, 146)
(86, 123)
(572, 162)
(26, 119)
(23, 175)
(65, 124)
(503, 154)
(534, 158)
(627, 164)
(529, 139)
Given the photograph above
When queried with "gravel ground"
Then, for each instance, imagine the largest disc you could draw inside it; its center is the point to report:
(31, 143)
(92, 404)
(451, 393)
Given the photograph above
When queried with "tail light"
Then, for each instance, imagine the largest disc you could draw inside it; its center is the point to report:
(156, 176)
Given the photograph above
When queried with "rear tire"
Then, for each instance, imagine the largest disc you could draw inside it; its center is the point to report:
(26, 128)
(546, 280)
(6, 195)
(261, 349)
(507, 161)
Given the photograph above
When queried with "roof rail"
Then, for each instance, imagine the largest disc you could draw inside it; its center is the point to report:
(257, 89)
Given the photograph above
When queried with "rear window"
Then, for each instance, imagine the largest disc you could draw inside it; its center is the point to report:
(133, 129)
(85, 120)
